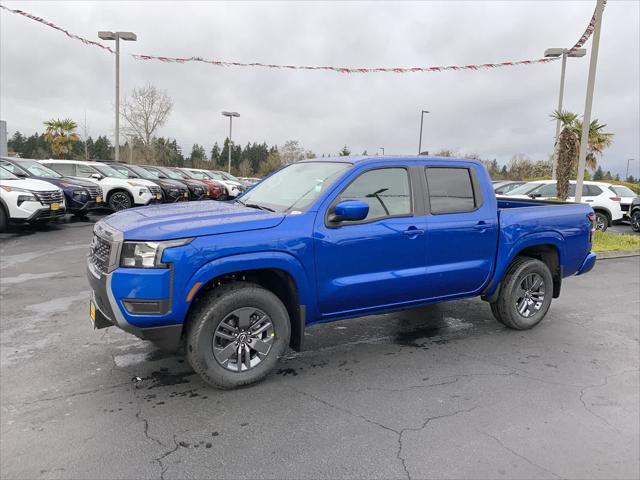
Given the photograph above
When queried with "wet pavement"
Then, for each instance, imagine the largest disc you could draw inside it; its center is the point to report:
(437, 392)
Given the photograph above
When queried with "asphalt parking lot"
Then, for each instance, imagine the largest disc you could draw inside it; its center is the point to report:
(437, 392)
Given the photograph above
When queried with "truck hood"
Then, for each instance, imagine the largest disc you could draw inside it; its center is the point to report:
(190, 219)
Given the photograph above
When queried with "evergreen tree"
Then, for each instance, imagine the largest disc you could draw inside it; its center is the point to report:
(599, 174)
(198, 155)
(345, 152)
(215, 153)
(617, 177)
(101, 149)
(608, 176)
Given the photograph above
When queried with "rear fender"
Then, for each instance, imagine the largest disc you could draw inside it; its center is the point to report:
(507, 253)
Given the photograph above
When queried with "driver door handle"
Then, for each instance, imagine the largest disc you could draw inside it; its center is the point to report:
(413, 231)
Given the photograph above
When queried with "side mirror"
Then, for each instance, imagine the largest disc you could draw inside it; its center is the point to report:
(535, 195)
(162, 176)
(349, 211)
(96, 176)
(20, 174)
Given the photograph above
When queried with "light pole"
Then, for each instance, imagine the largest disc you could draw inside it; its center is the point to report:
(421, 122)
(556, 52)
(130, 37)
(230, 115)
(586, 117)
(628, 160)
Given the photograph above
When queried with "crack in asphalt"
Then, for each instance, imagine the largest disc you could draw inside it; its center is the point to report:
(75, 394)
(583, 391)
(512, 451)
(405, 389)
(163, 468)
(398, 433)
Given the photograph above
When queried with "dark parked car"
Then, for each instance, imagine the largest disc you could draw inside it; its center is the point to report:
(634, 214)
(172, 190)
(80, 196)
(197, 190)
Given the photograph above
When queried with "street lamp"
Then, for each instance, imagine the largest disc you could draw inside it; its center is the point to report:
(588, 101)
(117, 36)
(628, 160)
(421, 121)
(554, 53)
(230, 115)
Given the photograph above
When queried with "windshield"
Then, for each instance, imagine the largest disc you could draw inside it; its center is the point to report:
(197, 175)
(228, 176)
(108, 171)
(38, 170)
(142, 172)
(525, 189)
(124, 171)
(7, 175)
(295, 187)
(622, 191)
(173, 174)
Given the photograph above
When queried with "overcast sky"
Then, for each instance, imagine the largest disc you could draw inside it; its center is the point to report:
(494, 113)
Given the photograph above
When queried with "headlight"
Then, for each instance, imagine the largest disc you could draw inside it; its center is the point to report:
(173, 192)
(26, 198)
(147, 254)
(79, 193)
(143, 190)
(135, 184)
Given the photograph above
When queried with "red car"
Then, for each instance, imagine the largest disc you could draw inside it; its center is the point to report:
(216, 189)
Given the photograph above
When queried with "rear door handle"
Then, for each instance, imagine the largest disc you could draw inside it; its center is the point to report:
(413, 231)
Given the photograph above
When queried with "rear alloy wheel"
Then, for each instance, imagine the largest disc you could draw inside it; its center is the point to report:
(525, 294)
(602, 221)
(635, 221)
(120, 201)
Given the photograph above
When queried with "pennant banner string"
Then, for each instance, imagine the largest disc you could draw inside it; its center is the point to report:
(219, 63)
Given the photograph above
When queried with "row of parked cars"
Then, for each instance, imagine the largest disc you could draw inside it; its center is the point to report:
(610, 202)
(43, 190)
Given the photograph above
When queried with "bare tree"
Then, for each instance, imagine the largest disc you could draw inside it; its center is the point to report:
(146, 110)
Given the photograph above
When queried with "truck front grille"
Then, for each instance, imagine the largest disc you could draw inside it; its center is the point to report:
(100, 253)
(47, 198)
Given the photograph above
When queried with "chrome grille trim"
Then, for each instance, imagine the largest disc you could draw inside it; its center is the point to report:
(104, 252)
(49, 197)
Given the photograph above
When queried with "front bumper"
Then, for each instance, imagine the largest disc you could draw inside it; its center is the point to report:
(47, 214)
(132, 284)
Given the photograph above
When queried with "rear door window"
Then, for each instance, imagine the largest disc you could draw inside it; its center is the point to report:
(450, 190)
(63, 168)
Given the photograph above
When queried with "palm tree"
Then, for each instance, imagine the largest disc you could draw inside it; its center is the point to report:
(598, 139)
(60, 134)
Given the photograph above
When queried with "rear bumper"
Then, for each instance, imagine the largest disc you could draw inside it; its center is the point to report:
(587, 264)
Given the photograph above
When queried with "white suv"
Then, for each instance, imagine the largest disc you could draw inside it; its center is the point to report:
(120, 191)
(28, 200)
(605, 203)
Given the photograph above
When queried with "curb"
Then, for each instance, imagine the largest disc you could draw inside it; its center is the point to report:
(617, 254)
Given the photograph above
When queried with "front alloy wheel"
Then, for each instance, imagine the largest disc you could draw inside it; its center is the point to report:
(635, 221)
(120, 201)
(243, 339)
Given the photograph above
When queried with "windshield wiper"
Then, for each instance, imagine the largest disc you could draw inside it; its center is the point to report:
(255, 205)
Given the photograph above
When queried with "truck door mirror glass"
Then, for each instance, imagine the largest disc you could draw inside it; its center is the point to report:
(350, 211)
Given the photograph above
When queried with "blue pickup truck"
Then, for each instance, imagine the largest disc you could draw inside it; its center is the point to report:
(236, 283)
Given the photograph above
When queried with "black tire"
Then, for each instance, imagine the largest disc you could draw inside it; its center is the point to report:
(505, 308)
(219, 305)
(4, 221)
(602, 221)
(635, 221)
(120, 200)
